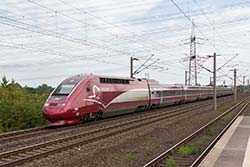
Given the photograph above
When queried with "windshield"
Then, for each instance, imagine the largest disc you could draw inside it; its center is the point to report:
(64, 89)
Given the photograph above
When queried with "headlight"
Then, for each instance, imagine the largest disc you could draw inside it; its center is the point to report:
(46, 104)
(60, 104)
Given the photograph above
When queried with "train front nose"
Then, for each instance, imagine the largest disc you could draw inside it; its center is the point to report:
(58, 116)
(52, 113)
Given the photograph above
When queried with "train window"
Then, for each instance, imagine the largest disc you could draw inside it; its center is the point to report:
(87, 89)
(172, 92)
(64, 89)
(165, 93)
(178, 92)
(114, 81)
(193, 91)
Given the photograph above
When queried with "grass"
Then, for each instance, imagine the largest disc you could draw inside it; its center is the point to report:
(187, 150)
(224, 107)
(204, 139)
(227, 118)
(170, 163)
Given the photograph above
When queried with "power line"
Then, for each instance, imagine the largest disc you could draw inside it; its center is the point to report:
(135, 35)
(56, 35)
(204, 14)
(193, 24)
(117, 26)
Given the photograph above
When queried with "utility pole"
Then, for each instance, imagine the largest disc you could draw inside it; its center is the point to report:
(192, 59)
(191, 52)
(211, 80)
(147, 75)
(131, 66)
(235, 88)
(195, 57)
(244, 80)
(186, 77)
(214, 86)
(189, 70)
(192, 67)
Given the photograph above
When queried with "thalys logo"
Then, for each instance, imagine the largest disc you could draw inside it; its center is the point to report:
(95, 89)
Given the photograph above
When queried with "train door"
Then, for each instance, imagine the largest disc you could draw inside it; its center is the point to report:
(185, 94)
(161, 97)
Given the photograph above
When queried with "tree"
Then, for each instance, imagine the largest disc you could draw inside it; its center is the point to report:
(44, 89)
(21, 108)
(5, 82)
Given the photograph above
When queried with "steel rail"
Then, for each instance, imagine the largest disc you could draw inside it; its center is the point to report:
(218, 137)
(163, 155)
(15, 135)
(18, 132)
(28, 153)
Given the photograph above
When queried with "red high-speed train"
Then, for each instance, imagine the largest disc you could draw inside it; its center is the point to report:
(83, 97)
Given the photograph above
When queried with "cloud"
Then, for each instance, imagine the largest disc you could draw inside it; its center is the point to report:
(49, 40)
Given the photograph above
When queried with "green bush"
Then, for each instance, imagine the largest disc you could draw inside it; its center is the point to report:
(20, 109)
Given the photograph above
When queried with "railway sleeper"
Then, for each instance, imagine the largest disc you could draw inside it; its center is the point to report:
(30, 153)
(16, 157)
(61, 145)
(2, 162)
(37, 151)
(6, 159)
(51, 147)
(24, 155)
(43, 149)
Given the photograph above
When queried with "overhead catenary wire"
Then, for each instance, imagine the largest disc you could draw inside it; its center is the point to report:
(135, 35)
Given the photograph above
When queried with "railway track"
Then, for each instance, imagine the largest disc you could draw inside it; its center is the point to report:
(14, 134)
(39, 131)
(31, 152)
(7, 137)
(173, 156)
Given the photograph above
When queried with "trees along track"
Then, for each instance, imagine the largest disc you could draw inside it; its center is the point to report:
(24, 134)
(161, 160)
(28, 153)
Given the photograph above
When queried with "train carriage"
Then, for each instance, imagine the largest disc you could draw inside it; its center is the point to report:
(83, 97)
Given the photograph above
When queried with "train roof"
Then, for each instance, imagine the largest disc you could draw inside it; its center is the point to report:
(78, 78)
(82, 76)
(74, 79)
(190, 87)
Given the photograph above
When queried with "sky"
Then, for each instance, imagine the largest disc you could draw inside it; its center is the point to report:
(47, 41)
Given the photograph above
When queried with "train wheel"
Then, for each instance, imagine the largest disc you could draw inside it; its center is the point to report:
(96, 116)
(139, 108)
(85, 118)
(99, 115)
